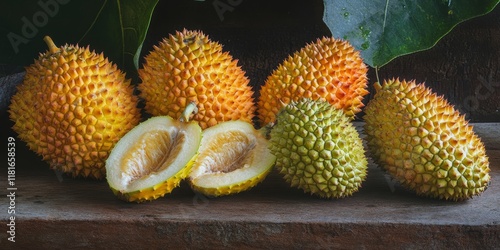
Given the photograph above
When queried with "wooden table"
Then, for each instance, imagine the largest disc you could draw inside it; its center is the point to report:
(56, 211)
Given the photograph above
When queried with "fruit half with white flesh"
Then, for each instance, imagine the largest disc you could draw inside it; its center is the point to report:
(153, 158)
(233, 157)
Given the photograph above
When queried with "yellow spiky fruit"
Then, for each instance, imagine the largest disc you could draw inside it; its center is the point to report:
(424, 143)
(189, 67)
(72, 108)
(329, 69)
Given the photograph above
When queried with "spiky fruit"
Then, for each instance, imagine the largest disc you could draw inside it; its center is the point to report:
(424, 143)
(72, 108)
(153, 158)
(233, 157)
(329, 69)
(189, 67)
(318, 149)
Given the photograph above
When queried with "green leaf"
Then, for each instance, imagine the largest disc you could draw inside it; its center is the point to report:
(383, 30)
(115, 28)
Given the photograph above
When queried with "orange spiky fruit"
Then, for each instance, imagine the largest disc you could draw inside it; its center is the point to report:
(72, 108)
(189, 67)
(329, 69)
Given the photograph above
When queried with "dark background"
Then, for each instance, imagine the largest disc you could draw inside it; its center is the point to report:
(464, 66)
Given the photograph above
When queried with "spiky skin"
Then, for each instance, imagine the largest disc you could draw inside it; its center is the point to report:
(189, 67)
(329, 69)
(424, 143)
(318, 150)
(72, 108)
(234, 189)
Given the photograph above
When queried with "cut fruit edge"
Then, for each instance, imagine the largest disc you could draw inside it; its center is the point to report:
(156, 191)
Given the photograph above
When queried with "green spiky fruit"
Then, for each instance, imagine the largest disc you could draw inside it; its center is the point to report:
(233, 157)
(153, 158)
(72, 108)
(424, 143)
(318, 149)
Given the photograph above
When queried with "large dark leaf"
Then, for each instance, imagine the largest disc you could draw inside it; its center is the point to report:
(383, 30)
(116, 28)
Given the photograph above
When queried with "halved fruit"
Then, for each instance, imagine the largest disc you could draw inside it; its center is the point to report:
(152, 159)
(233, 157)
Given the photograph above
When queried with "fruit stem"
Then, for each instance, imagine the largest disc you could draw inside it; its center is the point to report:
(52, 47)
(190, 109)
(376, 73)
